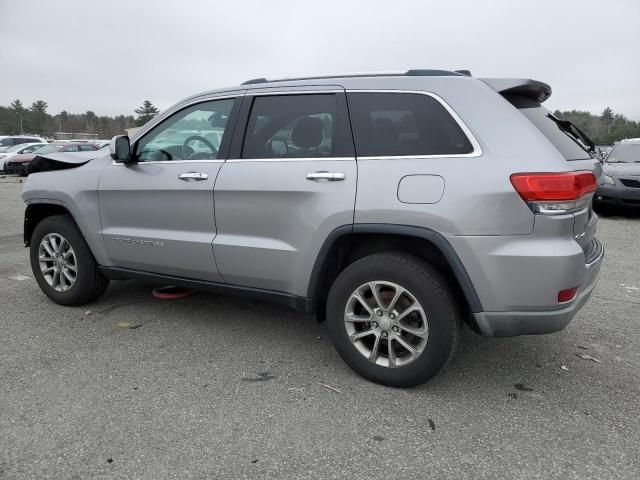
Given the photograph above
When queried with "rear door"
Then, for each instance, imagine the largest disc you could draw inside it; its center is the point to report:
(157, 213)
(290, 181)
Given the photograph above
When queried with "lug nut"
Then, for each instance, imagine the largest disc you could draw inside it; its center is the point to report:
(379, 313)
(384, 334)
(374, 324)
(392, 316)
(396, 329)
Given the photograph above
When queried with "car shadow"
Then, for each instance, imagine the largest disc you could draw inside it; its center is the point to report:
(480, 362)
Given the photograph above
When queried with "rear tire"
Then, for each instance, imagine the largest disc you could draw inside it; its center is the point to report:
(402, 343)
(63, 264)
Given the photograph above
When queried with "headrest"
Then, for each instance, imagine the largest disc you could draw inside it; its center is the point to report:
(308, 132)
(386, 130)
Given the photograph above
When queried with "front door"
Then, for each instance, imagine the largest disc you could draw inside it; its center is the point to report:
(290, 183)
(157, 213)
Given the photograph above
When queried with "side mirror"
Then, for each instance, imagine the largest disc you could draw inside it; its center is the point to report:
(120, 149)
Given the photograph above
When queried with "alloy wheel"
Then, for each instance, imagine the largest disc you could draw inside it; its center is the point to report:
(386, 323)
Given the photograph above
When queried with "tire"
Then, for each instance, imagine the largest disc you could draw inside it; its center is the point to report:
(436, 338)
(88, 283)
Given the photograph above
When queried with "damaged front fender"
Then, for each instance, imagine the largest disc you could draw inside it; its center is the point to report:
(61, 161)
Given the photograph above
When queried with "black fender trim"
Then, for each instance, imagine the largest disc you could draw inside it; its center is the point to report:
(393, 229)
(301, 304)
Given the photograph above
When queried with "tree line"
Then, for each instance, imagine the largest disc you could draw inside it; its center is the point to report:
(605, 128)
(16, 119)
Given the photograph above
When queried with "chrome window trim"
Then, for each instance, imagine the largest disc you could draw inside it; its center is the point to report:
(477, 149)
(153, 162)
(291, 159)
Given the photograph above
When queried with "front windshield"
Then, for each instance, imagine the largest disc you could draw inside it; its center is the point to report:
(625, 153)
(48, 149)
(15, 148)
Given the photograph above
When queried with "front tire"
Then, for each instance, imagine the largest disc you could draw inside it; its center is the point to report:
(62, 263)
(393, 319)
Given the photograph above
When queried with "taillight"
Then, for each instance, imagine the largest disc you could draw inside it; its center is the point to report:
(555, 193)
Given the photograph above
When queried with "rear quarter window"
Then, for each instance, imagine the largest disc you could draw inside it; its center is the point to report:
(404, 124)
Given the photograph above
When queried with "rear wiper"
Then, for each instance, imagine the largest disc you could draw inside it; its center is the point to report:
(573, 130)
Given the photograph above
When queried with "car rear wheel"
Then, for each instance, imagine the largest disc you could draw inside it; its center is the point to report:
(62, 263)
(393, 319)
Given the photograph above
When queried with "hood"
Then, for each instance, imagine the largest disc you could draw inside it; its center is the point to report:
(62, 160)
(22, 157)
(618, 169)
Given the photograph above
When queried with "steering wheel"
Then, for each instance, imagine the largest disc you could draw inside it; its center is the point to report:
(200, 155)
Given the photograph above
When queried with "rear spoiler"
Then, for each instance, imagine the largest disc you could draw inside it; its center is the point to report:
(533, 89)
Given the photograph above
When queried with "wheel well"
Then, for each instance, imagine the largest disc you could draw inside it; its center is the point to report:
(351, 247)
(37, 212)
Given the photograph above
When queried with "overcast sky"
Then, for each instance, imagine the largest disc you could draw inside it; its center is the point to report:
(109, 56)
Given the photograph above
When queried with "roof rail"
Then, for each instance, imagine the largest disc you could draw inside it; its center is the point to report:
(408, 73)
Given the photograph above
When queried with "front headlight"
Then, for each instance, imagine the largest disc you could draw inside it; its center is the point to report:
(609, 180)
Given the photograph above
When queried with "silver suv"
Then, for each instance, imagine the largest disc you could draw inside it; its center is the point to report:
(394, 206)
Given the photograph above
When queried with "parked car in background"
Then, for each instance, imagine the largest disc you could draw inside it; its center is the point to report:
(19, 149)
(395, 206)
(621, 170)
(101, 143)
(20, 163)
(11, 140)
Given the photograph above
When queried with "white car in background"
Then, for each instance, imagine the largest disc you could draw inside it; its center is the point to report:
(7, 141)
(19, 149)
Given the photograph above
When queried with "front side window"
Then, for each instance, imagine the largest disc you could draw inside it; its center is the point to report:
(404, 124)
(15, 148)
(6, 142)
(194, 133)
(87, 148)
(292, 126)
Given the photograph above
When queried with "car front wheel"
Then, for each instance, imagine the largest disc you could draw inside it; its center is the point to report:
(62, 263)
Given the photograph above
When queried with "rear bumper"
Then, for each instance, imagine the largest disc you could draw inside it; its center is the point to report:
(617, 195)
(513, 323)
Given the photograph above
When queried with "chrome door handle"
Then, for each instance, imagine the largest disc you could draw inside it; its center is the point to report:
(193, 176)
(326, 176)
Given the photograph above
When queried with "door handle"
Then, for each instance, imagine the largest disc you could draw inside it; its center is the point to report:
(326, 176)
(193, 176)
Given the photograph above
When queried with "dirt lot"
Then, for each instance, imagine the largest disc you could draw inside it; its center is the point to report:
(210, 386)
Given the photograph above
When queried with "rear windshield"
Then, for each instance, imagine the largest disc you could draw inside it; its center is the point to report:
(569, 147)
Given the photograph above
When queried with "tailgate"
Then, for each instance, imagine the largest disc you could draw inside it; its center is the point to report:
(584, 226)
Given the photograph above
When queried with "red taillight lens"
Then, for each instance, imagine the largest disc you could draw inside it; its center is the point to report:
(567, 295)
(553, 187)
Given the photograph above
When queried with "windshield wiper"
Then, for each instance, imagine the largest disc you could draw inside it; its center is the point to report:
(573, 130)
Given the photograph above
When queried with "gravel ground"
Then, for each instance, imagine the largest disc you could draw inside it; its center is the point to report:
(210, 386)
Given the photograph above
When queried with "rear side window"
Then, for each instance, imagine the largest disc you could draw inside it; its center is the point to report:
(404, 124)
(569, 147)
(292, 126)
